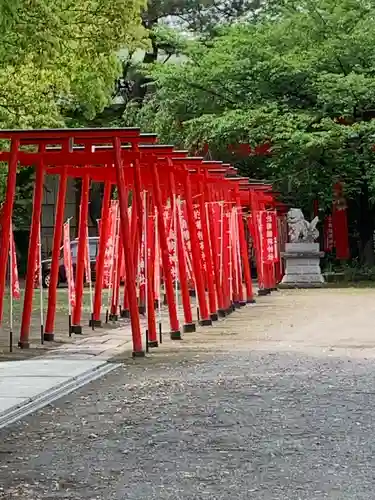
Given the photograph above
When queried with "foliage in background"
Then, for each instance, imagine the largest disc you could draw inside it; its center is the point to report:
(298, 75)
(58, 66)
(302, 77)
(59, 56)
(171, 25)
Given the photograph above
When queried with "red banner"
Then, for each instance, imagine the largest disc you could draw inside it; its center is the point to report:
(116, 253)
(151, 249)
(328, 234)
(198, 225)
(340, 233)
(157, 260)
(171, 240)
(16, 294)
(275, 232)
(167, 216)
(87, 259)
(186, 243)
(235, 241)
(225, 249)
(268, 236)
(37, 265)
(122, 257)
(68, 265)
(110, 245)
(122, 267)
(340, 223)
(142, 260)
(216, 219)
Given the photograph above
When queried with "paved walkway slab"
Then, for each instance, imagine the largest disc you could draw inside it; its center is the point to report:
(9, 403)
(275, 402)
(45, 367)
(31, 384)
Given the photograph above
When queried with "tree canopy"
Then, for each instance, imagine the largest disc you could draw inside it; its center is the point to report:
(301, 77)
(292, 79)
(59, 56)
(304, 81)
(170, 24)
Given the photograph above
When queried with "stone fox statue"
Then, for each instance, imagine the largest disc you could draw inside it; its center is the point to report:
(299, 229)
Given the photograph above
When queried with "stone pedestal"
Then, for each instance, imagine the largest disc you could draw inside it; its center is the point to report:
(302, 266)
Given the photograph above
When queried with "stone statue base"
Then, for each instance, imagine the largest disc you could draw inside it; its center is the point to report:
(302, 268)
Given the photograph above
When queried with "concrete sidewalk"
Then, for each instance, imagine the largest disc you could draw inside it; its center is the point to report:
(28, 385)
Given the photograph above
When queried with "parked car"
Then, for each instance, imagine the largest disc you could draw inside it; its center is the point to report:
(46, 264)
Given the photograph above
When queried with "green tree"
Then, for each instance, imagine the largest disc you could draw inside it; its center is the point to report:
(58, 63)
(170, 25)
(300, 77)
(60, 56)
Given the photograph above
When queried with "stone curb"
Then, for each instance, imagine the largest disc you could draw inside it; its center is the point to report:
(31, 405)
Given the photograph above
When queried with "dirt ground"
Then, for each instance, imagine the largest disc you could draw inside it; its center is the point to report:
(332, 321)
(61, 330)
(276, 402)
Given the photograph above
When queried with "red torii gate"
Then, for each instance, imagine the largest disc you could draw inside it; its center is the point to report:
(37, 153)
(130, 160)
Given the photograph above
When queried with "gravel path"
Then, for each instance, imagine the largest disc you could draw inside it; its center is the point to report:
(264, 410)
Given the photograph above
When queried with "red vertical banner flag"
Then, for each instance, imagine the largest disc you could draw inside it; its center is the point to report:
(198, 225)
(87, 258)
(38, 265)
(216, 219)
(110, 245)
(167, 216)
(68, 265)
(142, 259)
(268, 236)
(16, 294)
(340, 223)
(157, 259)
(275, 233)
(151, 249)
(251, 224)
(171, 241)
(328, 234)
(225, 250)
(186, 243)
(121, 246)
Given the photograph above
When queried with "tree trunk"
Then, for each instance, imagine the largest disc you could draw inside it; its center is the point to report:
(140, 84)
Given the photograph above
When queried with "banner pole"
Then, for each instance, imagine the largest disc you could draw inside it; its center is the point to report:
(145, 256)
(67, 272)
(221, 241)
(89, 279)
(236, 255)
(239, 260)
(175, 202)
(260, 231)
(108, 315)
(230, 249)
(116, 256)
(11, 290)
(158, 283)
(41, 286)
